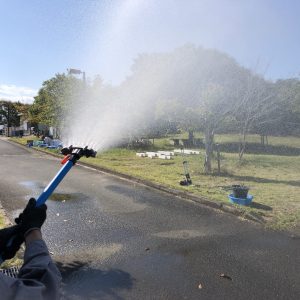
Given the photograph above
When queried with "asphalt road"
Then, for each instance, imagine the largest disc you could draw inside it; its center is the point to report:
(113, 239)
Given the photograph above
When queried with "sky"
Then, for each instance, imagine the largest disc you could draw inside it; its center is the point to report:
(39, 38)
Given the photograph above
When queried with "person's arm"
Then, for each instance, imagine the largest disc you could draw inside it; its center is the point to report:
(39, 278)
(38, 274)
(34, 235)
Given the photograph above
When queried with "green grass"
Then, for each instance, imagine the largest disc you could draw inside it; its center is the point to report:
(273, 180)
(2, 223)
(254, 138)
(17, 261)
(23, 140)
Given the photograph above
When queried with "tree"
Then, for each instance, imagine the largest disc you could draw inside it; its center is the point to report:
(51, 104)
(253, 109)
(194, 86)
(9, 113)
(214, 110)
(288, 114)
(23, 109)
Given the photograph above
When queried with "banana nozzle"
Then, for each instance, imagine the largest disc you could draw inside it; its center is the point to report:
(75, 153)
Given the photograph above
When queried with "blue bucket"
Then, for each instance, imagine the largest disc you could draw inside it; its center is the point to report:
(240, 201)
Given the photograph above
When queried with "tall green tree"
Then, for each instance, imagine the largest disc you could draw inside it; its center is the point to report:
(288, 115)
(54, 98)
(9, 113)
(195, 86)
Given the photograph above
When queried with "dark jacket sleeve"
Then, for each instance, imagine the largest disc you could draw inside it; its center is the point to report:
(38, 279)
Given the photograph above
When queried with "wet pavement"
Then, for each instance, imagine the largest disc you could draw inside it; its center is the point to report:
(113, 239)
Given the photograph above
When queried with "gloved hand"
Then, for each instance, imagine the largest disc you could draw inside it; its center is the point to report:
(10, 242)
(32, 217)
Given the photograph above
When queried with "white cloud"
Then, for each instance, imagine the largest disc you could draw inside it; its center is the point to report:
(17, 93)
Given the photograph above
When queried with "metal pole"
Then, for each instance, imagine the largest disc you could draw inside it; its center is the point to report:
(83, 77)
(8, 118)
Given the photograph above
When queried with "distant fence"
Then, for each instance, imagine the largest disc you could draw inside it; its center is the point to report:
(233, 147)
(256, 148)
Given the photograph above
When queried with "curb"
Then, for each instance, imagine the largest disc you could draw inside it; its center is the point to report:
(227, 208)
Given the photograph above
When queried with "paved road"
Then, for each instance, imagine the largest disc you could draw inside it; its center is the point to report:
(117, 240)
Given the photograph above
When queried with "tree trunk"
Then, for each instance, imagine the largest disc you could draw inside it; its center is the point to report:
(191, 137)
(209, 140)
(218, 159)
(242, 146)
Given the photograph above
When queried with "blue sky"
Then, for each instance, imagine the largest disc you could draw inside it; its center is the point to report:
(39, 38)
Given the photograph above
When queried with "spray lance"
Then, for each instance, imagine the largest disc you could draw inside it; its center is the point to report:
(72, 155)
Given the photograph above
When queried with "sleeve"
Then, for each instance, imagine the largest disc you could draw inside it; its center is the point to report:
(38, 279)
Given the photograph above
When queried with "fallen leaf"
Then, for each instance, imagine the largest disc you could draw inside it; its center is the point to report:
(225, 276)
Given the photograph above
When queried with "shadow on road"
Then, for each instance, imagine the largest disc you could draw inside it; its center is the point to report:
(82, 281)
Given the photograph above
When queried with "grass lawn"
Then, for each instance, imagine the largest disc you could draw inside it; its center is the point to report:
(2, 223)
(273, 180)
(254, 138)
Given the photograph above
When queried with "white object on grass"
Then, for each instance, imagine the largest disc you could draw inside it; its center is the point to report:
(169, 153)
(187, 151)
(142, 154)
(162, 156)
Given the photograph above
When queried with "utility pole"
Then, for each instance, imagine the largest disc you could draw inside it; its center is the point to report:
(8, 118)
(83, 77)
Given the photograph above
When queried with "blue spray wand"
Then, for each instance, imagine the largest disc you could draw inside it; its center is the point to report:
(72, 155)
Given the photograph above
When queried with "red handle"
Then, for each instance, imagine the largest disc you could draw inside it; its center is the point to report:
(65, 159)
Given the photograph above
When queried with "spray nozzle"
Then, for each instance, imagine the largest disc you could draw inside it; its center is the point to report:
(75, 153)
